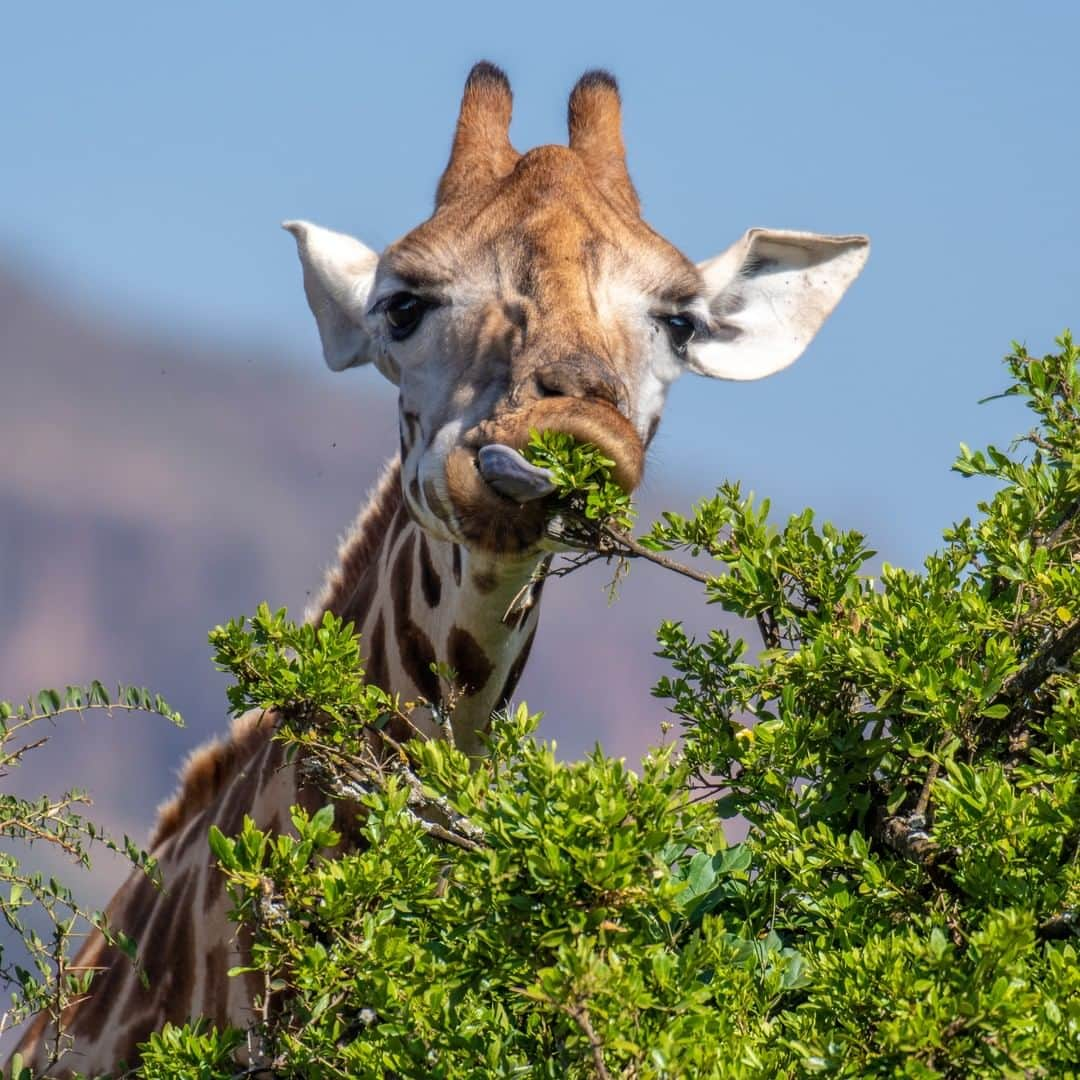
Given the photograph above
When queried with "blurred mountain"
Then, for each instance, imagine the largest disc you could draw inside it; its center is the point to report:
(152, 486)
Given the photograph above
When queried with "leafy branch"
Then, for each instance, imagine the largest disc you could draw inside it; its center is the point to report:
(46, 981)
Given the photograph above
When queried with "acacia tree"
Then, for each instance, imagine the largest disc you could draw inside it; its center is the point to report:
(904, 747)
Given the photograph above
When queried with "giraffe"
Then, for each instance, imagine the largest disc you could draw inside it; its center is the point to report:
(534, 297)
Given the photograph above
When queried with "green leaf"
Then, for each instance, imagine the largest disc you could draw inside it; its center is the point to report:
(223, 847)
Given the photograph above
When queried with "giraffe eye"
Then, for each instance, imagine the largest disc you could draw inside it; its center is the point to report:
(403, 313)
(680, 330)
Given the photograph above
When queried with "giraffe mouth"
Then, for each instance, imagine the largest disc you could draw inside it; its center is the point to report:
(499, 501)
(591, 421)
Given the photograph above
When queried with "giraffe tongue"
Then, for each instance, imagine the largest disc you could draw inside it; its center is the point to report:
(511, 475)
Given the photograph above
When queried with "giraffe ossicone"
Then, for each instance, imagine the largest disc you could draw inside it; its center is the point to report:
(534, 297)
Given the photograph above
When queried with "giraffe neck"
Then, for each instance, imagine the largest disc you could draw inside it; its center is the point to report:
(419, 603)
(416, 601)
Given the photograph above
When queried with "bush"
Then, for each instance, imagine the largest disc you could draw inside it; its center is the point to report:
(905, 751)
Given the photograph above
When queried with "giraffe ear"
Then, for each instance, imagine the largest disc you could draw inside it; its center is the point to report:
(768, 295)
(338, 275)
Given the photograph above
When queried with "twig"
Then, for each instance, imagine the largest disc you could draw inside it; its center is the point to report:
(467, 836)
(766, 625)
(16, 755)
(924, 795)
(1058, 650)
(631, 549)
(57, 1004)
(1071, 512)
(906, 834)
(436, 830)
(580, 1015)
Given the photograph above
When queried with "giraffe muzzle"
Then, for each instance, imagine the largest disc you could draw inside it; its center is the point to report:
(498, 498)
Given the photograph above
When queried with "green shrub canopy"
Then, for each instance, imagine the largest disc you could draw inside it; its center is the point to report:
(905, 749)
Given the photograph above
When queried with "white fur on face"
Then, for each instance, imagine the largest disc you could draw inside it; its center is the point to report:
(436, 387)
(655, 364)
(430, 465)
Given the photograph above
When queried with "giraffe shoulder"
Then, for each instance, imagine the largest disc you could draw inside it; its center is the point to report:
(208, 770)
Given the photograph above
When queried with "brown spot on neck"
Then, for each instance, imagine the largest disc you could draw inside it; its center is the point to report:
(377, 671)
(415, 649)
(468, 660)
(430, 582)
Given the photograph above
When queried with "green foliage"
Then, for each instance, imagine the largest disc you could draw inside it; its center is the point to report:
(42, 980)
(585, 491)
(579, 922)
(905, 750)
(306, 672)
(193, 1052)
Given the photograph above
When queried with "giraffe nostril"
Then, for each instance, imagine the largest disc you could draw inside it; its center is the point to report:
(551, 382)
(579, 378)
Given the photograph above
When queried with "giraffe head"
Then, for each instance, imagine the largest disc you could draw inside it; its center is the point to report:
(536, 297)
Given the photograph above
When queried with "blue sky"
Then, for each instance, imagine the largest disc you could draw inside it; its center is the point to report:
(151, 150)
